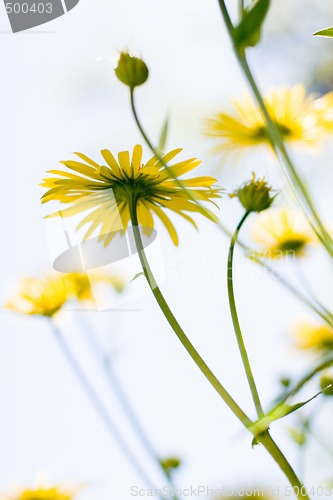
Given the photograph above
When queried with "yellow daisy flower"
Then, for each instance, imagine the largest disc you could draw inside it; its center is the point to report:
(43, 491)
(46, 296)
(43, 297)
(311, 335)
(108, 191)
(293, 112)
(282, 233)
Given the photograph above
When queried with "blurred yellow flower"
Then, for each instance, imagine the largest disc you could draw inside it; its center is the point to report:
(311, 335)
(294, 113)
(47, 295)
(43, 492)
(110, 190)
(282, 233)
(44, 297)
(324, 109)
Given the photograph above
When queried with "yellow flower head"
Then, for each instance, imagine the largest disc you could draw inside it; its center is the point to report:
(294, 113)
(43, 297)
(110, 190)
(282, 232)
(46, 296)
(311, 335)
(43, 492)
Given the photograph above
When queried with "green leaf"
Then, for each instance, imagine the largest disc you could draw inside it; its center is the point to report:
(248, 32)
(280, 411)
(163, 136)
(327, 32)
(137, 276)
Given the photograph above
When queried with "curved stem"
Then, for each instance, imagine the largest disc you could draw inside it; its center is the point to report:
(308, 289)
(240, 9)
(304, 380)
(278, 144)
(114, 384)
(265, 439)
(235, 320)
(178, 329)
(316, 308)
(98, 405)
(221, 226)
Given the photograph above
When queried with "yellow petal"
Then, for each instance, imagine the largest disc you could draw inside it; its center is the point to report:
(81, 168)
(167, 223)
(87, 160)
(144, 215)
(124, 162)
(185, 166)
(137, 157)
(110, 160)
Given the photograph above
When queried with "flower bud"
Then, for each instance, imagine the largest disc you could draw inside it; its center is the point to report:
(255, 195)
(326, 384)
(170, 464)
(131, 70)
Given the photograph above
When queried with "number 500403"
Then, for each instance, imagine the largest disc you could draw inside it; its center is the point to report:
(24, 8)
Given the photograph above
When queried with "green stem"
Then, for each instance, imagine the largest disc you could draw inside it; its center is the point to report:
(278, 143)
(235, 320)
(114, 384)
(265, 439)
(240, 9)
(304, 380)
(98, 405)
(308, 289)
(221, 226)
(177, 328)
(316, 307)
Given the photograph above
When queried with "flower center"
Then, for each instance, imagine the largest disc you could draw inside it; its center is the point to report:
(262, 133)
(142, 187)
(293, 245)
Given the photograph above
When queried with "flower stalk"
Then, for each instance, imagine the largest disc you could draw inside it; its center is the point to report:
(265, 439)
(300, 190)
(235, 320)
(289, 286)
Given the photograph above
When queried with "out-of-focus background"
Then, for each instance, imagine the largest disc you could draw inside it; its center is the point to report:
(59, 95)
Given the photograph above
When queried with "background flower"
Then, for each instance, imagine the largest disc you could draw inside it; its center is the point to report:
(311, 335)
(295, 114)
(281, 233)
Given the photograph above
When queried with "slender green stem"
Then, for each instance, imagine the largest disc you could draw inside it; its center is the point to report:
(235, 320)
(221, 226)
(305, 379)
(98, 405)
(278, 144)
(114, 384)
(240, 9)
(308, 289)
(265, 439)
(316, 307)
(177, 328)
